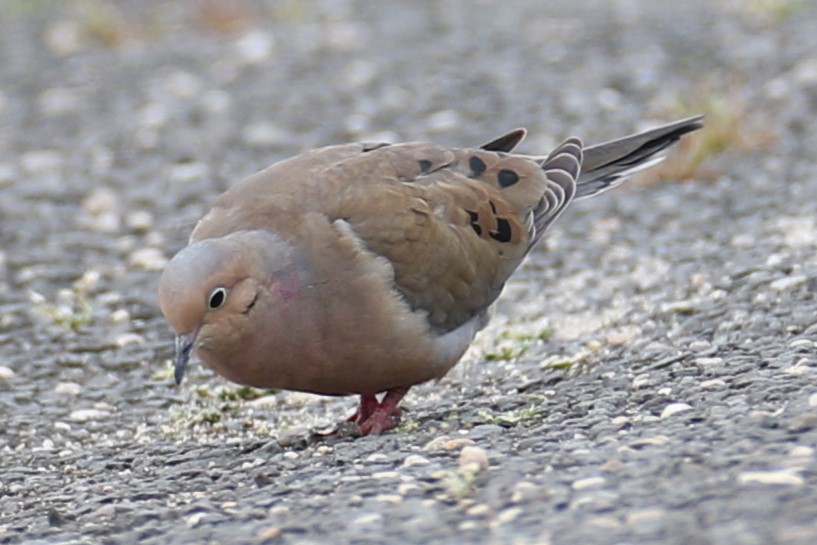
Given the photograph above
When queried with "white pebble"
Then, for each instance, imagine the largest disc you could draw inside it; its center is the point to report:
(151, 259)
(6, 372)
(788, 282)
(67, 389)
(415, 460)
(713, 383)
(255, 46)
(85, 415)
(590, 482)
(128, 338)
(473, 459)
(674, 408)
(782, 477)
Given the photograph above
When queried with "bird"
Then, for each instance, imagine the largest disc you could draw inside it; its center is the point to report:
(367, 268)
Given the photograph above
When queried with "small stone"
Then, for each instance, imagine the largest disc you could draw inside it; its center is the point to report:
(41, 161)
(86, 415)
(6, 373)
(393, 499)
(788, 282)
(415, 460)
(647, 518)
(376, 457)
(188, 171)
(641, 381)
(262, 134)
(657, 441)
(674, 408)
(473, 459)
(67, 389)
(590, 482)
(255, 46)
(445, 442)
(699, 346)
(128, 338)
(139, 221)
(150, 259)
(705, 362)
(368, 519)
(478, 510)
(782, 477)
(63, 38)
(506, 516)
(801, 451)
(120, 316)
(106, 511)
(523, 491)
(195, 519)
(272, 533)
(385, 475)
(443, 120)
(812, 400)
(713, 384)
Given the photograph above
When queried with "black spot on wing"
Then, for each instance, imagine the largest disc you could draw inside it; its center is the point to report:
(507, 178)
(475, 222)
(425, 165)
(477, 166)
(503, 231)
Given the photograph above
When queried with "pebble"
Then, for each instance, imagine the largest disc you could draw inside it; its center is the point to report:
(106, 511)
(415, 460)
(40, 161)
(189, 171)
(812, 400)
(63, 38)
(272, 533)
(150, 259)
(674, 408)
(139, 220)
(788, 282)
(195, 519)
(120, 316)
(385, 475)
(589, 482)
(782, 477)
(473, 459)
(712, 384)
(368, 519)
(67, 389)
(255, 46)
(86, 415)
(704, 362)
(478, 510)
(128, 338)
(506, 516)
(6, 372)
(445, 442)
(647, 519)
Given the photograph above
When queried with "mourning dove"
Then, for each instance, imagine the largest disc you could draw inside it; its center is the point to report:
(369, 268)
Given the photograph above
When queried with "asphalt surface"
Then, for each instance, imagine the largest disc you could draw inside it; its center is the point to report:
(650, 373)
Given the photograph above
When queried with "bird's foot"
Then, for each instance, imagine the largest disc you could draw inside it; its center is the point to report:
(373, 417)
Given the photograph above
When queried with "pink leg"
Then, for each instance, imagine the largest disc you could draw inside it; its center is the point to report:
(382, 417)
(368, 404)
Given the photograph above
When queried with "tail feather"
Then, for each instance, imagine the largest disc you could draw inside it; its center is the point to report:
(607, 165)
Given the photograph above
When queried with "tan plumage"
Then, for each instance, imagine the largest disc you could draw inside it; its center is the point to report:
(364, 268)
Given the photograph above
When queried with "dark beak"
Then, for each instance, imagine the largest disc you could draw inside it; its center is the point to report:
(184, 346)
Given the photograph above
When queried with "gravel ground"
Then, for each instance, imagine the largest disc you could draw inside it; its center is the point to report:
(650, 378)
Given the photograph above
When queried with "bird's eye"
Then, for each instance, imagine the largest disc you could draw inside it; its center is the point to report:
(217, 298)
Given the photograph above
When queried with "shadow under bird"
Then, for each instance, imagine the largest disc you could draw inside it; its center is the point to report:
(368, 268)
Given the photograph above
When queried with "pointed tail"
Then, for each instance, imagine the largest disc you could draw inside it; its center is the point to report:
(607, 165)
